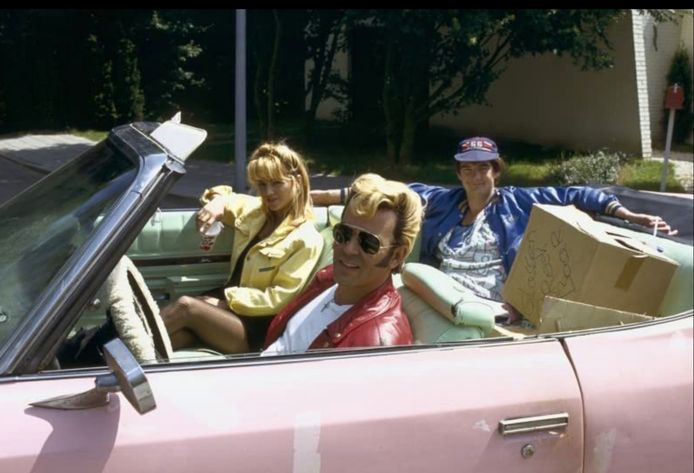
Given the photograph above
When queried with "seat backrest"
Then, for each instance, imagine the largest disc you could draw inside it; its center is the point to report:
(440, 309)
(428, 325)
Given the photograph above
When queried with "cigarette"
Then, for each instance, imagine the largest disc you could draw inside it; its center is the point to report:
(655, 226)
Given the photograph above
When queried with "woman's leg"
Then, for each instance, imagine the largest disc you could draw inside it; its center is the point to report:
(184, 338)
(216, 327)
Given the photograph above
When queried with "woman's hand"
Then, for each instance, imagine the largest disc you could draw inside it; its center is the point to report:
(221, 303)
(650, 221)
(210, 213)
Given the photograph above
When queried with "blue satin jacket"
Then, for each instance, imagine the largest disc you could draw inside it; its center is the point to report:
(507, 213)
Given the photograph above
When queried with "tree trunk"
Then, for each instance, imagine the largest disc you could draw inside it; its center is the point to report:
(258, 100)
(271, 75)
(319, 80)
(391, 109)
(409, 133)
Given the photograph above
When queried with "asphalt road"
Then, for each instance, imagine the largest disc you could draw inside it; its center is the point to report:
(14, 178)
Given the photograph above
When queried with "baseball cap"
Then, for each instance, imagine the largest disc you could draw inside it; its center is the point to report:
(476, 149)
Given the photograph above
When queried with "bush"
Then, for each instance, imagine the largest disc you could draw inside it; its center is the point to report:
(681, 74)
(597, 168)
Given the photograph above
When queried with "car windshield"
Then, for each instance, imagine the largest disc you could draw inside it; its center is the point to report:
(42, 227)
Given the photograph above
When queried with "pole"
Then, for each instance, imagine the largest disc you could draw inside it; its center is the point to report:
(240, 103)
(666, 154)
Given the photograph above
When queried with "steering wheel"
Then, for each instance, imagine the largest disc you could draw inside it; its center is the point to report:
(134, 313)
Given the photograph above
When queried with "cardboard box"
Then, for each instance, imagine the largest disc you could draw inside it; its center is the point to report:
(565, 254)
(561, 315)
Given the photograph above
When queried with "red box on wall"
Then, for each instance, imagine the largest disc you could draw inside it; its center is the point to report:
(674, 97)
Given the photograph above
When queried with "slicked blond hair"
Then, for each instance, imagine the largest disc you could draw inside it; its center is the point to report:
(371, 192)
(276, 161)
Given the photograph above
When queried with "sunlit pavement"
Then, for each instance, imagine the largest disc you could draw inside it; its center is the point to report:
(23, 160)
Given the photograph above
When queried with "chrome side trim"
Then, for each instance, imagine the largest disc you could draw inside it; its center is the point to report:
(522, 425)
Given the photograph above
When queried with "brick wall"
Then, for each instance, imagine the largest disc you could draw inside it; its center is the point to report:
(660, 43)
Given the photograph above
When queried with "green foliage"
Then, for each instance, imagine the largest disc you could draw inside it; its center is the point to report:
(596, 168)
(681, 73)
(94, 135)
(441, 60)
(102, 109)
(276, 59)
(128, 93)
(646, 175)
(73, 68)
(528, 174)
(323, 41)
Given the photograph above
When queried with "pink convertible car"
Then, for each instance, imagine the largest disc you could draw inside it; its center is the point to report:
(87, 248)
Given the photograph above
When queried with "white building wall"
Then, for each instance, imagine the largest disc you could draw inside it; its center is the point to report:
(548, 100)
(661, 41)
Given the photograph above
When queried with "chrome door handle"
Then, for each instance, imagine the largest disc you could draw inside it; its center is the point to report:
(522, 425)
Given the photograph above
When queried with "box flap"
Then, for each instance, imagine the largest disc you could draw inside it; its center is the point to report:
(561, 315)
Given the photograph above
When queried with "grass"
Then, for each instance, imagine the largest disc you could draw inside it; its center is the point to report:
(528, 173)
(350, 150)
(341, 150)
(646, 175)
(94, 135)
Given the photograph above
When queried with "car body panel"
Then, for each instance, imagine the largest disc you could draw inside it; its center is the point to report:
(637, 392)
(433, 410)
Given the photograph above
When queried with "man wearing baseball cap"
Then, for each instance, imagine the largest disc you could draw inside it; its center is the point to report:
(473, 232)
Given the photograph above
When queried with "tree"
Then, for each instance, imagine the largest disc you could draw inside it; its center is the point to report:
(167, 44)
(264, 31)
(681, 74)
(276, 71)
(442, 60)
(323, 35)
(93, 67)
(37, 49)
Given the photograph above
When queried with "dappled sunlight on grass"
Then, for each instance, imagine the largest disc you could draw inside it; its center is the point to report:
(646, 175)
(350, 150)
(530, 174)
(94, 135)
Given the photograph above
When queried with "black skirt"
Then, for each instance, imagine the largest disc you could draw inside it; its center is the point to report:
(255, 326)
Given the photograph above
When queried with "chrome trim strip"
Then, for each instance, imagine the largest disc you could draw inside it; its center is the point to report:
(521, 425)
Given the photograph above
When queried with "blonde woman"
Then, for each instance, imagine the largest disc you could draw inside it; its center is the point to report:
(275, 249)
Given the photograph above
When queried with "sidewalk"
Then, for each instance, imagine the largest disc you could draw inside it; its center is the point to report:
(44, 153)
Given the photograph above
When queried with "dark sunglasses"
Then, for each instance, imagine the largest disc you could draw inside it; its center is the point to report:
(368, 242)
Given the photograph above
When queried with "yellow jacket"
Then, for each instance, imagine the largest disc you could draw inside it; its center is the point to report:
(277, 268)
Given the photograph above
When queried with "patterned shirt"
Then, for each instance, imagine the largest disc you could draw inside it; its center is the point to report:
(470, 255)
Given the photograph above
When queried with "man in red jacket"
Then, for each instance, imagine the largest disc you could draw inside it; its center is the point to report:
(352, 303)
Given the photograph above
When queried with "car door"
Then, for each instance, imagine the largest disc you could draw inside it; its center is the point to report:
(637, 390)
(433, 409)
(167, 252)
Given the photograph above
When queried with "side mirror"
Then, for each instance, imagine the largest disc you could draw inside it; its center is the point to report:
(126, 376)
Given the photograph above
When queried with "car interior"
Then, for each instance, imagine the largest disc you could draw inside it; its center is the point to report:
(165, 262)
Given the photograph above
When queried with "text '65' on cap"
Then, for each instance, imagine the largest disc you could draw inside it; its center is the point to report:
(476, 149)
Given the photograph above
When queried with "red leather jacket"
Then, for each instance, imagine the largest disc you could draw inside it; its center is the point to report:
(374, 321)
